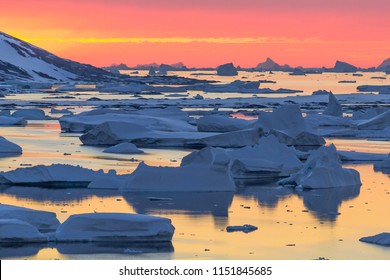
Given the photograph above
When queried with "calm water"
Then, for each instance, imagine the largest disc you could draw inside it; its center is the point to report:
(292, 224)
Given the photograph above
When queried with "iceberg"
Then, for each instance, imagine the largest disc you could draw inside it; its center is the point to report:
(8, 120)
(334, 108)
(7, 147)
(227, 69)
(29, 114)
(379, 122)
(383, 165)
(382, 239)
(55, 175)
(323, 169)
(188, 178)
(17, 231)
(42, 220)
(114, 227)
(123, 148)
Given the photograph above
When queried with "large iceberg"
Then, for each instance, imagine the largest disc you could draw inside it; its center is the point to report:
(115, 227)
(189, 178)
(268, 158)
(227, 69)
(58, 175)
(323, 169)
(42, 220)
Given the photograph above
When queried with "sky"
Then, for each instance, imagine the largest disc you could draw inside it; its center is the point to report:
(204, 33)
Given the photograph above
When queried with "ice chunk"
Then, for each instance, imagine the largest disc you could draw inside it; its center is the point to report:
(123, 148)
(30, 114)
(323, 169)
(198, 178)
(343, 67)
(227, 69)
(59, 175)
(379, 122)
(17, 231)
(8, 120)
(321, 92)
(42, 220)
(334, 108)
(382, 239)
(298, 138)
(245, 228)
(383, 165)
(284, 117)
(7, 147)
(115, 227)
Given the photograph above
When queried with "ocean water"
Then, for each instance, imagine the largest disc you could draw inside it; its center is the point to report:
(291, 224)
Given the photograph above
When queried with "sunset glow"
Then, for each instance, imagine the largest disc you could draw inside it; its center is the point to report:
(204, 33)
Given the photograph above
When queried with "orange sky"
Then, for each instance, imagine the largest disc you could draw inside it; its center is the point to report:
(204, 32)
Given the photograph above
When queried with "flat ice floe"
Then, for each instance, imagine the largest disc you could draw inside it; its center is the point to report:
(7, 147)
(222, 124)
(43, 221)
(56, 175)
(382, 239)
(8, 120)
(17, 231)
(115, 227)
(323, 169)
(123, 148)
(189, 178)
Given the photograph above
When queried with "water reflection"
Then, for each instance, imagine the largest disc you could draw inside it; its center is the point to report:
(114, 248)
(15, 250)
(214, 203)
(56, 194)
(267, 195)
(325, 203)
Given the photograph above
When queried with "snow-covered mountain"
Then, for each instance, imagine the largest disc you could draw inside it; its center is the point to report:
(21, 61)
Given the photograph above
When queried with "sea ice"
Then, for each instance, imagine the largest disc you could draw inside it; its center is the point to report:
(334, 108)
(29, 114)
(382, 239)
(123, 148)
(188, 178)
(227, 69)
(323, 169)
(7, 147)
(42, 220)
(115, 227)
(17, 231)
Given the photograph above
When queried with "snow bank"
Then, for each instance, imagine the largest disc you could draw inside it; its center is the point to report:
(123, 148)
(334, 107)
(323, 169)
(7, 147)
(59, 175)
(115, 227)
(29, 114)
(42, 220)
(17, 231)
(199, 178)
(382, 239)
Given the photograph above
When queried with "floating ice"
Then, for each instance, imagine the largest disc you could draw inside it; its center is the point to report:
(227, 69)
(115, 227)
(199, 178)
(57, 175)
(17, 231)
(334, 108)
(29, 114)
(382, 239)
(123, 148)
(245, 228)
(378, 122)
(222, 124)
(323, 169)
(42, 220)
(8, 120)
(7, 147)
